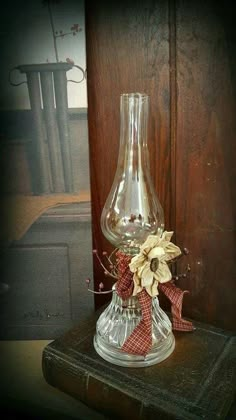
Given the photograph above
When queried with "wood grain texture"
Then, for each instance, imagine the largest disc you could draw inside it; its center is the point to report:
(182, 53)
(205, 156)
(127, 51)
(197, 382)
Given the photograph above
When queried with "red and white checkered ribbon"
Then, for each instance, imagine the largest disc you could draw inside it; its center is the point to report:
(175, 296)
(140, 340)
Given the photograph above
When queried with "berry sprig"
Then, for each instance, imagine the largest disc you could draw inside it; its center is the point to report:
(110, 269)
(176, 277)
(100, 291)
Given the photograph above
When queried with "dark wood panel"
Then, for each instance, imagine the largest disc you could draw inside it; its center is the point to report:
(205, 165)
(197, 382)
(127, 51)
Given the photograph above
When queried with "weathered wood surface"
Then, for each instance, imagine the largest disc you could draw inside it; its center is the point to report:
(197, 381)
(126, 43)
(183, 55)
(205, 156)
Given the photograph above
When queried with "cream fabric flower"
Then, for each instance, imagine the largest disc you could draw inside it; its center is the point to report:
(150, 265)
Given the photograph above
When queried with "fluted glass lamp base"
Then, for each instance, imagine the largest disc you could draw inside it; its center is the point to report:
(120, 358)
(116, 324)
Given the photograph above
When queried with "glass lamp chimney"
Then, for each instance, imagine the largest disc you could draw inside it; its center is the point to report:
(132, 210)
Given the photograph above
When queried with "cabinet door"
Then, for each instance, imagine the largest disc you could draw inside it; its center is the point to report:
(42, 289)
(38, 298)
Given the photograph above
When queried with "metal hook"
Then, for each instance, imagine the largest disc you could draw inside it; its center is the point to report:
(83, 72)
(9, 77)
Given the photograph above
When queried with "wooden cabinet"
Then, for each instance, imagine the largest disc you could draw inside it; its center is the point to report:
(44, 274)
(183, 54)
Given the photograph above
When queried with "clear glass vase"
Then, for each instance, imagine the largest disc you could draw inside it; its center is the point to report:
(131, 213)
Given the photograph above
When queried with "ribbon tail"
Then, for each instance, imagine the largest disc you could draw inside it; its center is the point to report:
(175, 295)
(125, 284)
(140, 340)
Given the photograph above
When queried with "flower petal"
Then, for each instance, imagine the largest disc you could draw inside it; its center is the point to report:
(166, 236)
(147, 276)
(171, 251)
(137, 289)
(136, 262)
(142, 267)
(137, 279)
(151, 242)
(156, 252)
(137, 284)
(163, 273)
(153, 289)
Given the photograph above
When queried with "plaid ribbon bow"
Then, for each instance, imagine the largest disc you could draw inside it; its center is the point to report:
(140, 340)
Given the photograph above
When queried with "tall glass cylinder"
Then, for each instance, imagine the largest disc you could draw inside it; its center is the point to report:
(132, 210)
(131, 213)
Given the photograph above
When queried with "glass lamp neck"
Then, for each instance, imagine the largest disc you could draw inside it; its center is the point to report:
(134, 109)
(134, 115)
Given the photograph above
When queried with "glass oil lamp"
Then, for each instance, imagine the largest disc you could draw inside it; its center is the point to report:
(131, 213)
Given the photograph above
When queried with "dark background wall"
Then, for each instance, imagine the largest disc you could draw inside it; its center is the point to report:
(181, 53)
